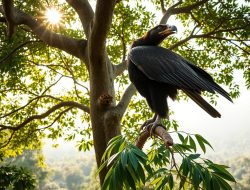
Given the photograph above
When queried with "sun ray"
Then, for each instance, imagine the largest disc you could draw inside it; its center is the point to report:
(53, 16)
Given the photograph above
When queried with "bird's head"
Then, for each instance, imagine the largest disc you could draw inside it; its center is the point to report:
(156, 35)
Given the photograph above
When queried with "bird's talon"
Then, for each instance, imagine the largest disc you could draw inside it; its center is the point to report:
(146, 124)
(152, 130)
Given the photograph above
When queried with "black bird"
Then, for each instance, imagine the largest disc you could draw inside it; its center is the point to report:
(158, 73)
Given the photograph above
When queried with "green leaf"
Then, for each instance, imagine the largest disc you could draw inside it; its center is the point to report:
(140, 153)
(141, 173)
(207, 178)
(112, 158)
(196, 179)
(115, 139)
(223, 184)
(193, 156)
(161, 183)
(101, 167)
(133, 160)
(133, 175)
(181, 137)
(155, 181)
(185, 140)
(200, 141)
(184, 167)
(129, 179)
(203, 140)
(192, 143)
(222, 172)
(214, 183)
(124, 158)
(171, 181)
(107, 179)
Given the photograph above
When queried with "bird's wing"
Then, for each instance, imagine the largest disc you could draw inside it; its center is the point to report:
(165, 66)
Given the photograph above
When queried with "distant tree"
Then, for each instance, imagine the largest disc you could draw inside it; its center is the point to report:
(16, 178)
(240, 168)
(54, 76)
(74, 181)
(31, 163)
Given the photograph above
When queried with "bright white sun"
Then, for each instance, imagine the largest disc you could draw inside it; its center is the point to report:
(53, 16)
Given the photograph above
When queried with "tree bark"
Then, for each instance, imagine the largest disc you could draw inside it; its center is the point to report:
(102, 92)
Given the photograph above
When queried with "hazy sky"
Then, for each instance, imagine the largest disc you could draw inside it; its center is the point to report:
(233, 128)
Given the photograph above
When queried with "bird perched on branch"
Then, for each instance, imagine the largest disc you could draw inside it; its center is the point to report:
(158, 73)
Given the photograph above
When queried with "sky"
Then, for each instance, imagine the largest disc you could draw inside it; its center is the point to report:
(229, 133)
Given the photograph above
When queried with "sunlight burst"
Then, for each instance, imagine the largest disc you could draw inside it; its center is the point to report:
(53, 16)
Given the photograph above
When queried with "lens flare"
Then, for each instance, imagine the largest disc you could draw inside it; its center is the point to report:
(53, 16)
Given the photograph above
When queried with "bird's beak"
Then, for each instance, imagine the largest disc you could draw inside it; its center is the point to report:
(169, 30)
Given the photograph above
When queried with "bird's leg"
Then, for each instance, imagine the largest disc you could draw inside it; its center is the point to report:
(147, 123)
(156, 123)
(151, 124)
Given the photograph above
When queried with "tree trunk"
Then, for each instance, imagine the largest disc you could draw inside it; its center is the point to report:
(104, 125)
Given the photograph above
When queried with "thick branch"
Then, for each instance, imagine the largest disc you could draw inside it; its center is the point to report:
(28, 103)
(85, 13)
(185, 9)
(184, 40)
(47, 113)
(70, 45)
(159, 132)
(9, 16)
(118, 69)
(124, 102)
(188, 8)
(163, 7)
(56, 119)
(101, 26)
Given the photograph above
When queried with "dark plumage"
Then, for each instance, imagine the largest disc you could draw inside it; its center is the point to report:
(158, 73)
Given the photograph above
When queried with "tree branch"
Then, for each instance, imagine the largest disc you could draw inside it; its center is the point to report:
(56, 119)
(62, 75)
(70, 45)
(167, 13)
(163, 10)
(159, 132)
(124, 102)
(85, 13)
(29, 102)
(9, 16)
(185, 9)
(4, 144)
(118, 69)
(188, 8)
(101, 26)
(16, 49)
(183, 40)
(208, 35)
(47, 113)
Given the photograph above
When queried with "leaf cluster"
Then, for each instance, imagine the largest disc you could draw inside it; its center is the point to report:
(130, 168)
(16, 178)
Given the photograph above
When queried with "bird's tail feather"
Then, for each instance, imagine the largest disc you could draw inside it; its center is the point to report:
(202, 103)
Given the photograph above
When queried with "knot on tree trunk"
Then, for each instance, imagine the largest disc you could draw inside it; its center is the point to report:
(105, 100)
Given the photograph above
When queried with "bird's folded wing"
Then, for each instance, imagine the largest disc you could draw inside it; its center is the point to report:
(165, 66)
